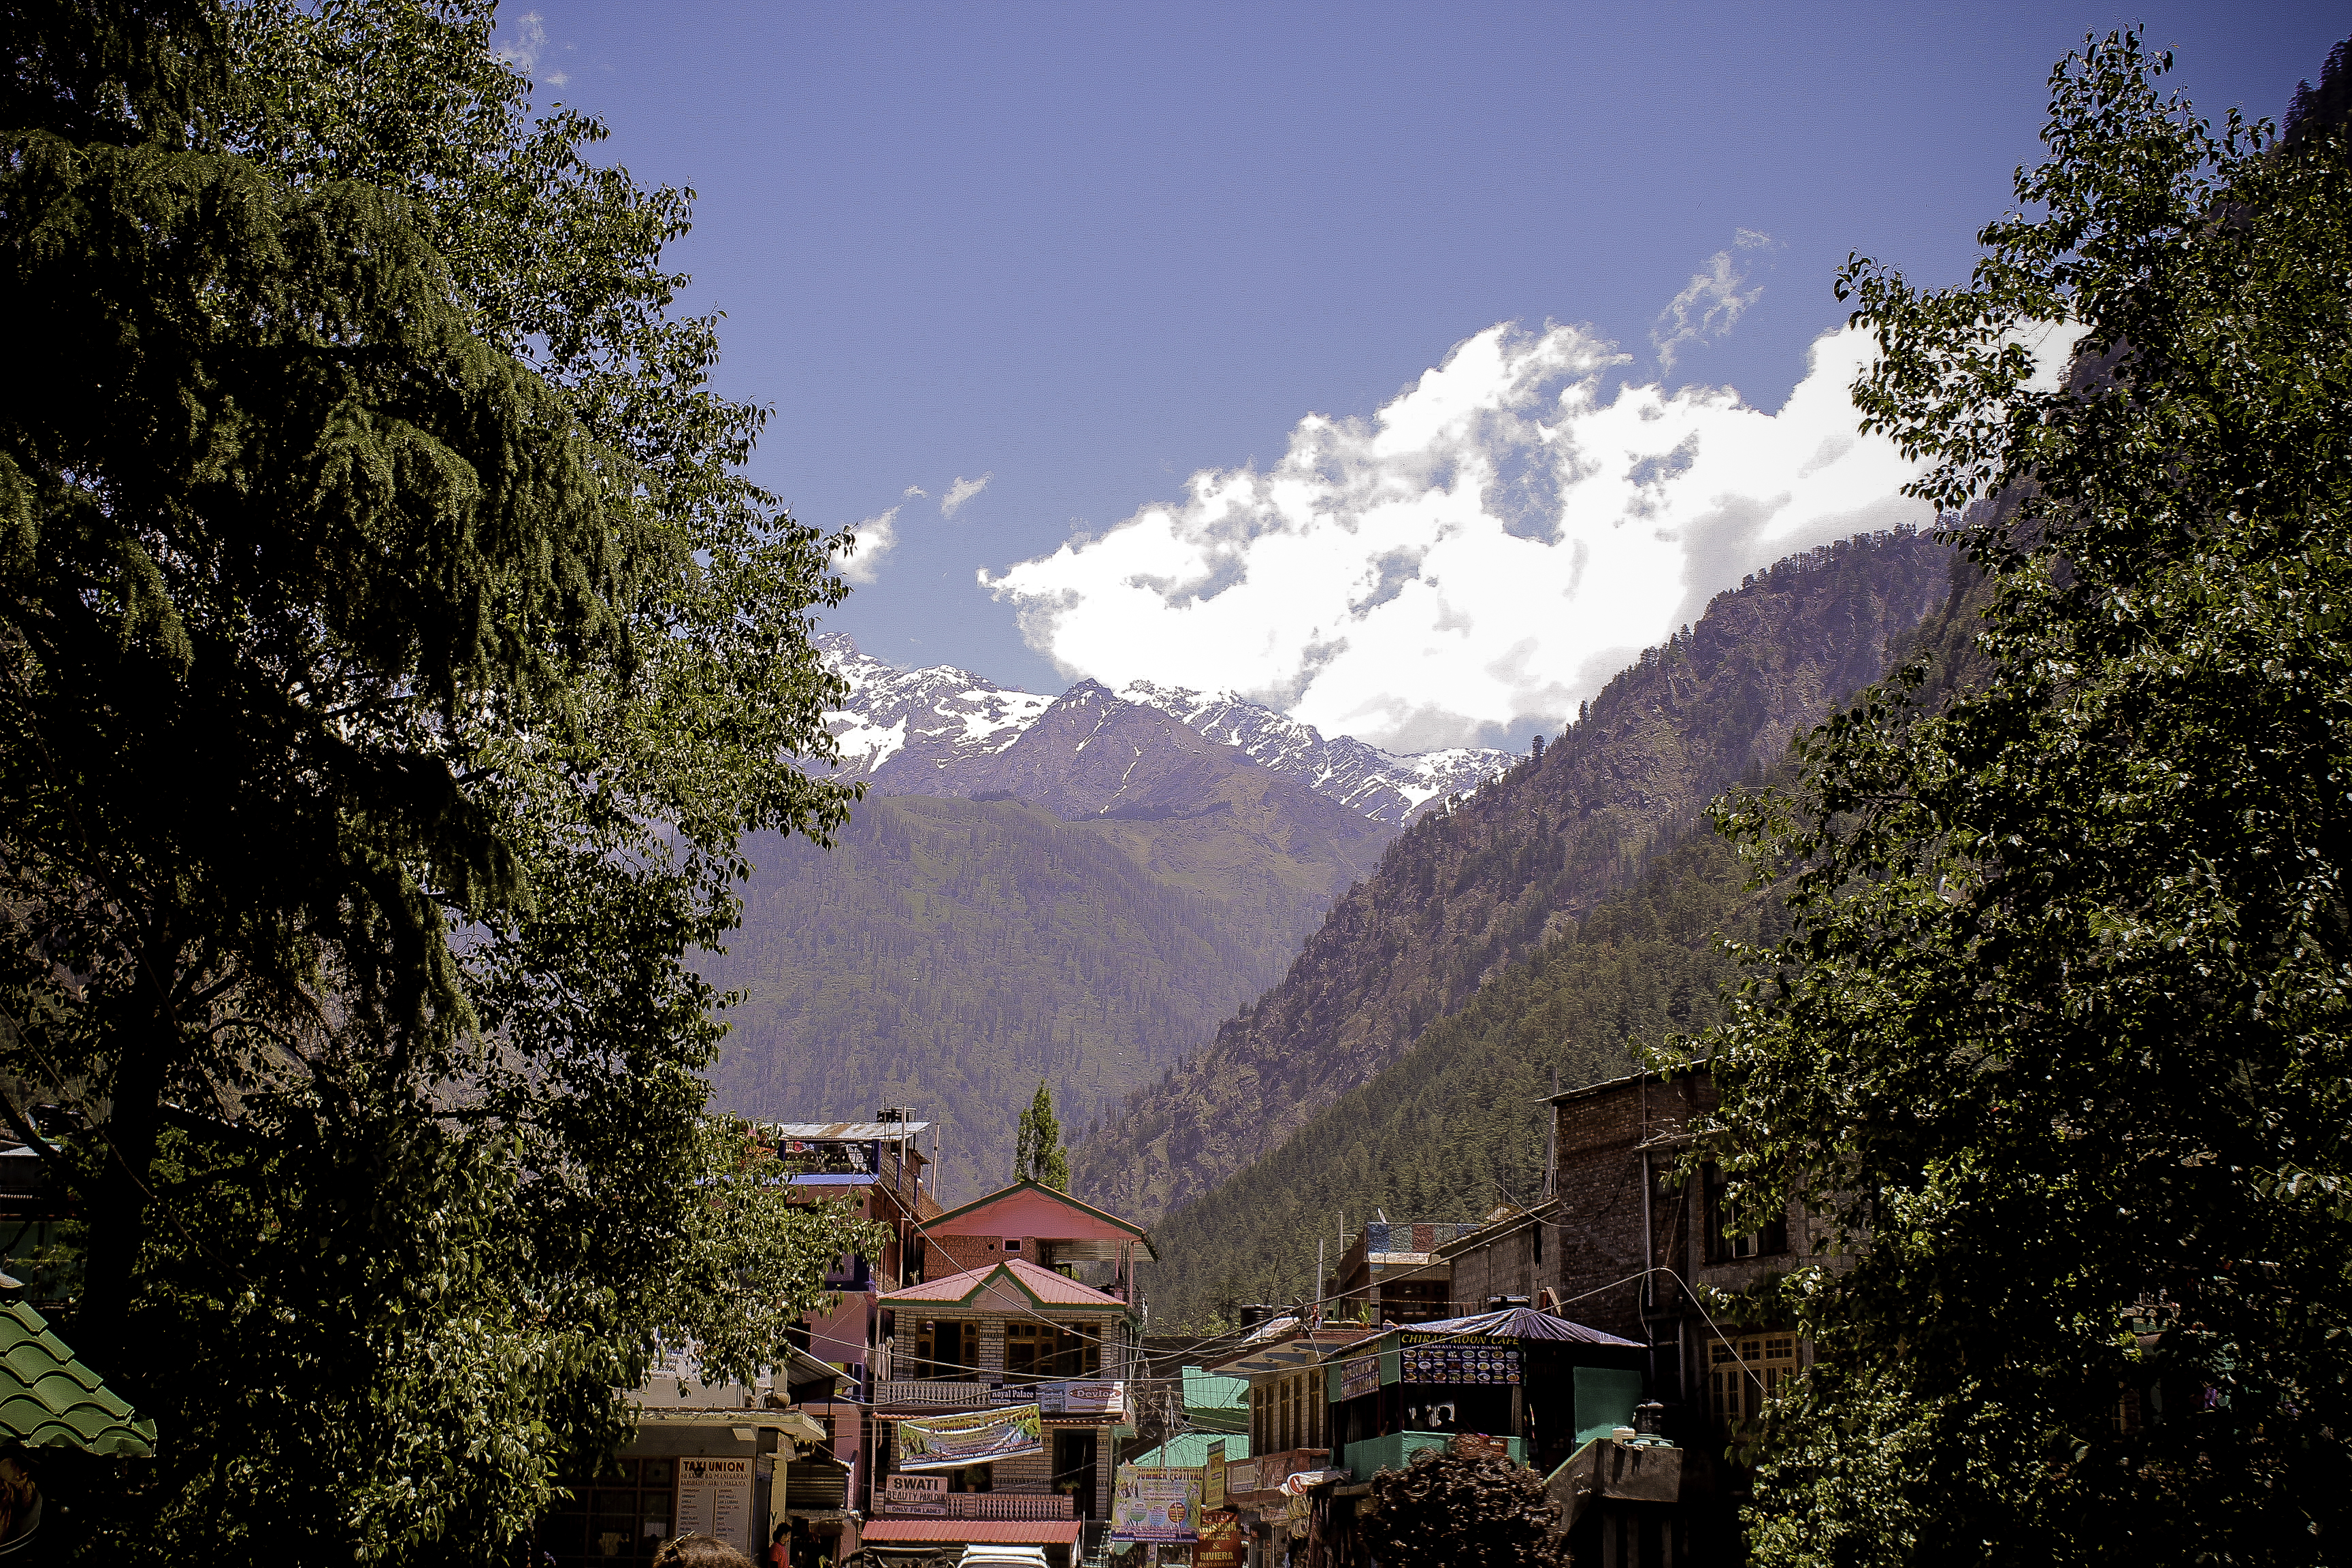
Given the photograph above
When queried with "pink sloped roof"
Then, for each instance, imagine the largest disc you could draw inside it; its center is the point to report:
(996, 1284)
(1030, 1208)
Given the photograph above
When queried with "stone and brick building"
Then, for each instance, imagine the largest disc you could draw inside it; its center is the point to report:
(1395, 1273)
(1622, 1242)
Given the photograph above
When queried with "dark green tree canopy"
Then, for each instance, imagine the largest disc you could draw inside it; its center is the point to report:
(2058, 1041)
(392, 658)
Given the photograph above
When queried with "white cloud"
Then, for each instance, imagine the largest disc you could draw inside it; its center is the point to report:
(876, 535)
(1490, 548)
(911, 492)
(1711, 305)
(961, 491)
(525, 39)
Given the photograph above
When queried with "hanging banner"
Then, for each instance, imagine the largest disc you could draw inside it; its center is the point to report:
(950, 1442)
(1359, 1377)
(1213, 1478)
(1459, 1358)
(1222, 1542)
(1155, 1505)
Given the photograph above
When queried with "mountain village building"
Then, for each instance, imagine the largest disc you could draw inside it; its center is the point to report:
(1021, 1314)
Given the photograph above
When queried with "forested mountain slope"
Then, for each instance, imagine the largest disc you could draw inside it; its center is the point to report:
(1456, 1124)
(949, 954)
(1463, 893)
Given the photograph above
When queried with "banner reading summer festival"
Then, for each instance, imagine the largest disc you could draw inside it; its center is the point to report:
(946, 1441)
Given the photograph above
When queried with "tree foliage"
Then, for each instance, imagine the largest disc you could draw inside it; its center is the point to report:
(392, 657)
(2058, 1038)
(1037, 1151)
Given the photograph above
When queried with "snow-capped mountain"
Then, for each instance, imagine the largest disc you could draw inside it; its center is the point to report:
(947, 731)
(1380, 784)
(921, 732)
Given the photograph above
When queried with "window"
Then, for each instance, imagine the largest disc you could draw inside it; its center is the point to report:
(1729, 1236)
(1039, 1352)
(1744, 1373)
(972, 1479)
(1012, 1243)
(621, 1516)
(947, 1350)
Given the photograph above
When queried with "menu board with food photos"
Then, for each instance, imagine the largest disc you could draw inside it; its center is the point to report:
(1466, 1357)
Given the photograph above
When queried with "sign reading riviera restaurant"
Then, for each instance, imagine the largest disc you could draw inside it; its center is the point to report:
(949, 1442)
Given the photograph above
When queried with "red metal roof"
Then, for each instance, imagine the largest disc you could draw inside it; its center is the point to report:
(1043, 1285)
(975, 1531)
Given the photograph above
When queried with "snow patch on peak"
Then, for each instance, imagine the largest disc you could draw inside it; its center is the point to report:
(932, 727)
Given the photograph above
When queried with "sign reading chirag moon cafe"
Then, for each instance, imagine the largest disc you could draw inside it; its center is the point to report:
(947, 1442)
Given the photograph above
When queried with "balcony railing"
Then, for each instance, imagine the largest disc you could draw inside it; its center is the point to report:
(965, 1396)
(1059, 1397)
(1009, 1505)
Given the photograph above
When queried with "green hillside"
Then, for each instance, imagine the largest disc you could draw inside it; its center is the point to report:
(1462, 894)
(949, 954)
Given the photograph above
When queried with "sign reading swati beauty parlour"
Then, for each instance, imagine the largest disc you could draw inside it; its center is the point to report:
(915, 1496)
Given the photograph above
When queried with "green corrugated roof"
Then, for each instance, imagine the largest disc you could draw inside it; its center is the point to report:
(1189, 1451)
(1220, 1403)
(48, 1399)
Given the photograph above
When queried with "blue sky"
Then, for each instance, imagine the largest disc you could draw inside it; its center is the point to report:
(1089, 252)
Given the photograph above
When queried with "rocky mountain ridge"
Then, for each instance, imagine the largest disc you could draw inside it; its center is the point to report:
(946, 731)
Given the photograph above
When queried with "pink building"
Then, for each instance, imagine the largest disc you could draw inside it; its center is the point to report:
(1024, 1298)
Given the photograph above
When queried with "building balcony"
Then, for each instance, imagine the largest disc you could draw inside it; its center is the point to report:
(1009, 1505)
(900, 1393)
(1103, 1397)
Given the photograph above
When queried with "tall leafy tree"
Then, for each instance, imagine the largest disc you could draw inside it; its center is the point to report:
(2058, 1042)
(392, 656)
(1037, 1151)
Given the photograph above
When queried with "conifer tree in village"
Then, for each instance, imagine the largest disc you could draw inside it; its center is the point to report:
(1037, 1151)
(2059, 1039)
(392, 655)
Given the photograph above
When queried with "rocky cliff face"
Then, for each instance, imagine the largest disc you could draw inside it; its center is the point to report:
(1466, 891)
